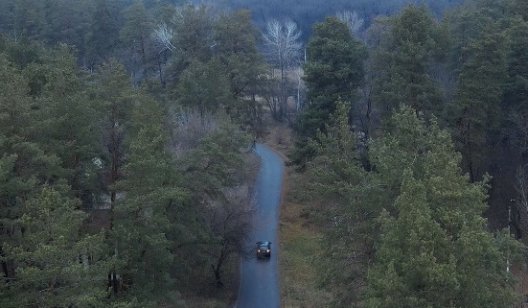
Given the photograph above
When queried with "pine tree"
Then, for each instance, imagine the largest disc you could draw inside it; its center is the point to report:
(334, 72)
(103, 35)
(115, 97)
(336, 178)
(413, 266)
(45, 258)
(403, 62)
(25, 165)
(475, 113)
(56, 265)
(515, 96)
(137, 30)
(144, 251)
(68, 121)
(204, 87)
(241, 62)
(437, 243)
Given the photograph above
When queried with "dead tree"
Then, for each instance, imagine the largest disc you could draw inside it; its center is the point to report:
(284, 47)
(352, 20)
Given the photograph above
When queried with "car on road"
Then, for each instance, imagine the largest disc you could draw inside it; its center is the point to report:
(263, 249)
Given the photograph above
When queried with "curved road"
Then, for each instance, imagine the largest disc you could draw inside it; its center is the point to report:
(259, 279)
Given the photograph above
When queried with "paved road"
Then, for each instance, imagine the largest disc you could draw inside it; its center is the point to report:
(259, 280)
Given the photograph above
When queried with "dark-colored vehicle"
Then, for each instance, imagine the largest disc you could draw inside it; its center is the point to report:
(263, 249)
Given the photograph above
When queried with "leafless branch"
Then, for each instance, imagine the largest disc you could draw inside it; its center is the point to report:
(352, 20)
(163, 37)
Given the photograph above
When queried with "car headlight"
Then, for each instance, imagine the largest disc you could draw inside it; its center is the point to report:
(268, 250)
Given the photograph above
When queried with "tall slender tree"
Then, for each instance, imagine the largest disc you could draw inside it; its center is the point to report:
(142, 224)
(334, 72)
(403, 60)
(475, 112)
(283, 44)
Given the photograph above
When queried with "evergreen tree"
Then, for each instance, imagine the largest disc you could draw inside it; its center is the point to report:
(437, 244)
(204, 87)
(142, 224)
(56, 265)
(516, 92)
(336, 178)
(334, 72)
(41, 239)
(403, 63)
(136, 32)
(413, 267)
(521, 7)
(103, 34)
(194, 34)
(216, 224)
(69, 119)
(515, 101)
(475, 113)
(114, 95)
(25, 165)
(241, 62)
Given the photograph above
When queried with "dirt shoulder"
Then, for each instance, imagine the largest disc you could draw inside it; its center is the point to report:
(299, 240)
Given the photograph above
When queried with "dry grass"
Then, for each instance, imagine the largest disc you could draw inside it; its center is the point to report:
(279, 137)
(299, 240)
(299, 245)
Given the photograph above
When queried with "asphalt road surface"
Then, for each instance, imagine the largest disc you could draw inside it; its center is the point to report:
(259, 279)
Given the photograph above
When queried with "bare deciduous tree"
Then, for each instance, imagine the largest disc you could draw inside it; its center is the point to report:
(163, 37)
(284, 47)
(230, 223)
(352, 20)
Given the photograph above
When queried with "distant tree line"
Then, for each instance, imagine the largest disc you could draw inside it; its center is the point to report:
(306, 13)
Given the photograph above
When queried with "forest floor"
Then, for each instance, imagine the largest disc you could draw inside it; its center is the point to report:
(299, 239)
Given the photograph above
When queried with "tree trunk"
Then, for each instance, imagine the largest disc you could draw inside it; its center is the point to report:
(217, 269)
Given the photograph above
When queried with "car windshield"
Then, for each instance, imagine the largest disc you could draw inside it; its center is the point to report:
(264, 244)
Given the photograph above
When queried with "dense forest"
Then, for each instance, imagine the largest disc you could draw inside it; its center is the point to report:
(123, 182)
(126, 127)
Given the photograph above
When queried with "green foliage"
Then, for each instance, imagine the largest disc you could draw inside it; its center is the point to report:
(73, 139)
(204, 87)
(404, 59)
(236, 48)
(517, 58)
(103, 32)
(413, 268)
(194, 33)
(436, 248)
(114, 96)
(476, 108)
(236, 51)
(53, 260)
(137, 30)
(336, 178)
(213, 164)
(46, 257)
(68, 119)
(142, 223)
(333, 73)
